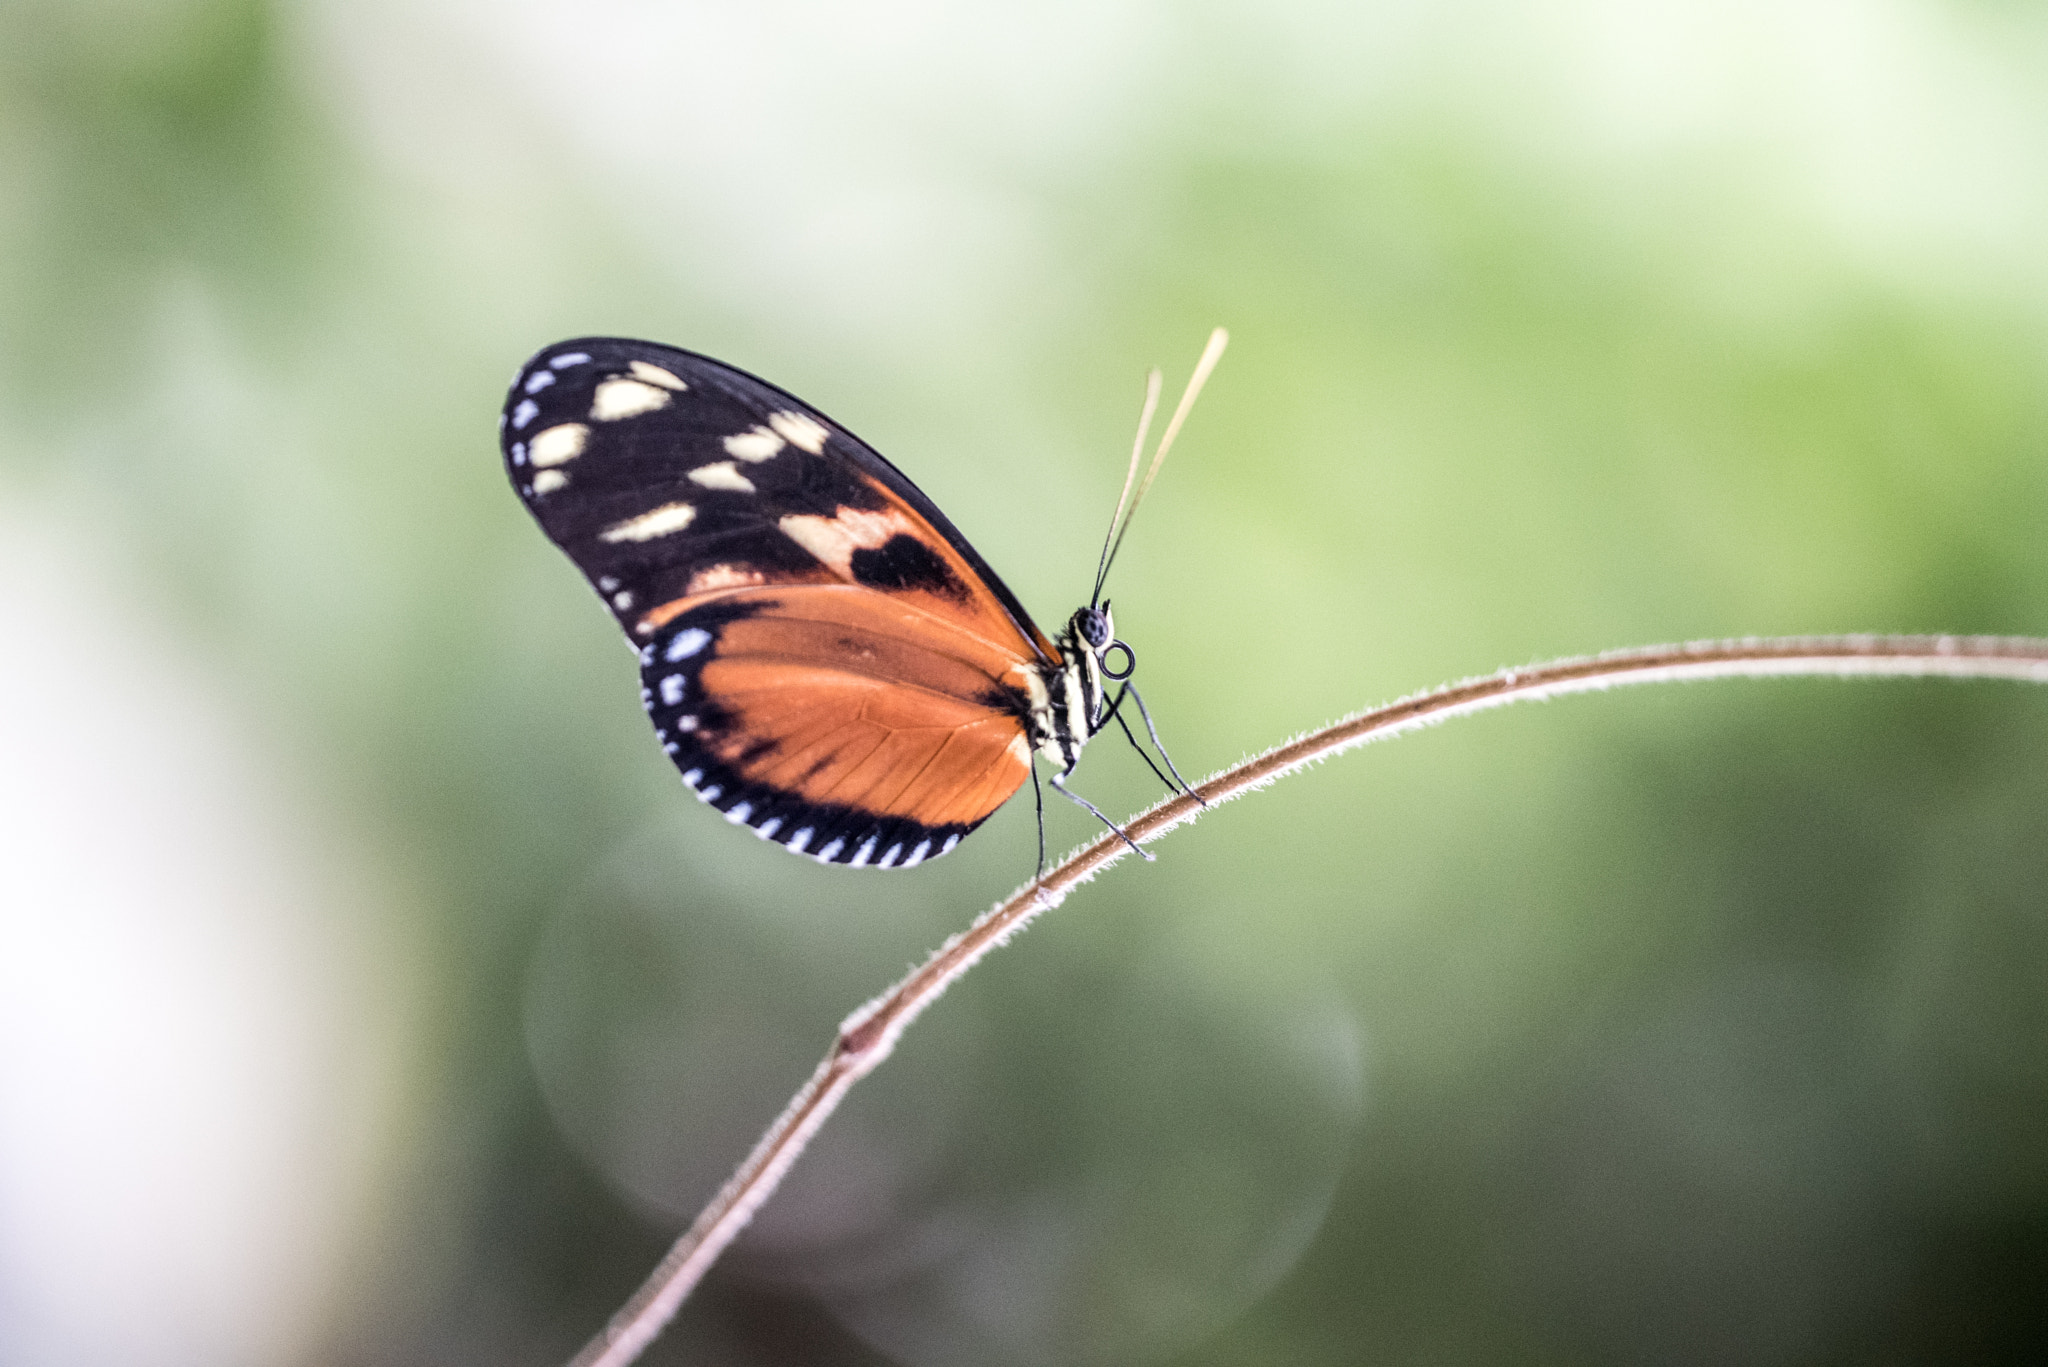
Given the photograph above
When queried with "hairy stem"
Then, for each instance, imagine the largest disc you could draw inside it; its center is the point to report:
(867, 1036)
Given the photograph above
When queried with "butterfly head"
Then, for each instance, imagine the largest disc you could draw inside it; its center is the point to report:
(1093, 628)
(1073, 702)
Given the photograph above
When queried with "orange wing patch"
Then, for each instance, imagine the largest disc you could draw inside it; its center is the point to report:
(839, 696)
(842, 739)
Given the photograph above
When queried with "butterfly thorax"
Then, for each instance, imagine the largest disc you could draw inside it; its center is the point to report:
(1068, 702)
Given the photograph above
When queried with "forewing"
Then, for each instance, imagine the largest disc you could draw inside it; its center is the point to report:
(669, 477)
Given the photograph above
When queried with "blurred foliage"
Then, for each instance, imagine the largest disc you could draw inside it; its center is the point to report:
(1703, 1025)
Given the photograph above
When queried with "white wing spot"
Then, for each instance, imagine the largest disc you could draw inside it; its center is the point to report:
(951, 841)
(686, 644)
(693, 778)
(739, 813)
(622, 600)
(800, 430)
(547, 481)
(666, 520)
(833, 540)
(890, 856)
(559, 444)
(800, 839)
(569, 358)
(527, 411)
(711, 794)
(723, 475)
(539, 380)
(686, 723)
(917, 855)
(831, 850)
(606, 583)
(861, 855)
(620, 398)
(767, 829)
(672, 689)
(654, 374)
(756, 444)
(519, 453)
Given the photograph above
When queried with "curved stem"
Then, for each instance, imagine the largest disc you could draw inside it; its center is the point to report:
(868, 1035)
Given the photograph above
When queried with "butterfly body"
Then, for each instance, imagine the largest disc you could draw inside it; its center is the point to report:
(824, 657)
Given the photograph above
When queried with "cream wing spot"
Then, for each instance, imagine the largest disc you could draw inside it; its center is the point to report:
(618, 398)
(547, 481)
(723, 474)
(654, 374)
(719, 577)
(833, 540)
(558, 445)
(666, 520)
(756, 444)
(800, 430)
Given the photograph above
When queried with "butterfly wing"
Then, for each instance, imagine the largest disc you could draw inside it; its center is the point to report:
(823, 655)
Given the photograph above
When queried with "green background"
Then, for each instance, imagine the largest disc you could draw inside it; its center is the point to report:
(1699, 1024)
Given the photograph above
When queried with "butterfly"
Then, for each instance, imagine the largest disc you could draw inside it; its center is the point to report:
(823, 655)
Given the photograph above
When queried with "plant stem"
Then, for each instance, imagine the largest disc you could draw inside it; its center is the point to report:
(869, 1034)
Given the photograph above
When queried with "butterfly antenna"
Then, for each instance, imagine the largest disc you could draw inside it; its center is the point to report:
(1211, 354)
(1130, 478)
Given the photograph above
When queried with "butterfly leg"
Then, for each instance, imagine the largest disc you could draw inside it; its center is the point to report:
(1038, 801)
(1153, 732)
(1157, 772)
(1064, 791)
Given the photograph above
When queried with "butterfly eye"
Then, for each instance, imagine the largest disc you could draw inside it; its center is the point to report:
(1110, 671)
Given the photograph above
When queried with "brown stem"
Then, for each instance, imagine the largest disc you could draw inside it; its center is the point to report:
(867, 1036)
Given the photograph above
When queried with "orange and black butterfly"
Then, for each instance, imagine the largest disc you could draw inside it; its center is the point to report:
(823, 655)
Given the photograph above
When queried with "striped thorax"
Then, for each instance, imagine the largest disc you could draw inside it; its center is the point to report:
(1067, 699)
